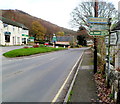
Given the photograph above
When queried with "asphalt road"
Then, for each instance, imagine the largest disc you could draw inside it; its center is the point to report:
(37, 78)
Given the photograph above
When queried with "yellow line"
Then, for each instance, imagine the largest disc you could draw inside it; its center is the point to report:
(60, 90)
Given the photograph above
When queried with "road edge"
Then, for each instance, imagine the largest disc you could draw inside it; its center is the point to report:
(65, 84)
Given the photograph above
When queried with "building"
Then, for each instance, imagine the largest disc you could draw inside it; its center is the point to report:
(12, 33)
(90, 43)
(65, 40)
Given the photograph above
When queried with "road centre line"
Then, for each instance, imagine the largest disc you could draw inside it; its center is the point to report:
(63, 85)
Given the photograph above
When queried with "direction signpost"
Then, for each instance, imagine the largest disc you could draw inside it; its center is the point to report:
(98, 27)
(54, 39)
(113, 39)
(98, 20)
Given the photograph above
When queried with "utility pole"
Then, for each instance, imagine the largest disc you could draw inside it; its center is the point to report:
(95, 40)
(108, 55)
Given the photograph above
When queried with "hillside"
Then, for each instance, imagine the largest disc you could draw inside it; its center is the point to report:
(27, 19)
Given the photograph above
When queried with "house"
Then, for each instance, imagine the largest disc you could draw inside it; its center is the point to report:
(65, 40)
(12, 33)
(90, 43)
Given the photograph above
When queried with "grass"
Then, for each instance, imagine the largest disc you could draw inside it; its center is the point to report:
(29, 51)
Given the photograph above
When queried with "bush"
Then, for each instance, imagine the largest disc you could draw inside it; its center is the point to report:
(41, 45)
(25, 47)
(35, 46)
(80, 46)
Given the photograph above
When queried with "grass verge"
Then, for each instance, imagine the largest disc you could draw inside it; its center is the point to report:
(29, 51)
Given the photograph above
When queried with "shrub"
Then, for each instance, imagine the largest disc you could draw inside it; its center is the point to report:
(41, 45)
(80, 46)
(25, 47)
(36, 46)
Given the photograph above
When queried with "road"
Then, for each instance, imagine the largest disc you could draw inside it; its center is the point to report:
(37, 78)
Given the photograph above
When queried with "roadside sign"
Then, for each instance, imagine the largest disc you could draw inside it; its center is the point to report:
(95, 27)
(113, 39)
(95, 33)
(98, 33)
(98, 20)
(54, 39)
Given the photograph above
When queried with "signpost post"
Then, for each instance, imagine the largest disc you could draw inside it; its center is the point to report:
(54, 39)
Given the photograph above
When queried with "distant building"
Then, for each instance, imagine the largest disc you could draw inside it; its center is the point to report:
(65, 40)
(90, 43)
(12, 33)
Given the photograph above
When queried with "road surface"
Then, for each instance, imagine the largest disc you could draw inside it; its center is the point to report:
(37, 78)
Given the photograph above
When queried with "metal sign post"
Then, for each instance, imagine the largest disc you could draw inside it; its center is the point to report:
(54, 40)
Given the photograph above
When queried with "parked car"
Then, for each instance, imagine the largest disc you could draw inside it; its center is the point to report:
(46, 44)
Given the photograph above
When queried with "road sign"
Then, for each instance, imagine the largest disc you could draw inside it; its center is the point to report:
(113, 39)
(95, 27)
(98, 20)
(95, 33)
(98, 33)
(54, 39)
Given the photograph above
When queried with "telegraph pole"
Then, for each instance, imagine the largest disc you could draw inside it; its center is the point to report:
(95, 40)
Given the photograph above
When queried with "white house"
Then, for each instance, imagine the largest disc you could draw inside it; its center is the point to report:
(12, 33)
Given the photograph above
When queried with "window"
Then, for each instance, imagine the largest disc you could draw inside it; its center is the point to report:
(7, 38)
(18, 40)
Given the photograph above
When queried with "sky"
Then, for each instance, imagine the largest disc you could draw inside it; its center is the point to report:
(54, 11)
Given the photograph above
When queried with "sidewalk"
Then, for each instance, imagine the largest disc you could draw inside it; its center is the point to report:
(84, 88)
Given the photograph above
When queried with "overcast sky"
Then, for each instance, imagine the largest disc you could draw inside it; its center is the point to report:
(55, 11)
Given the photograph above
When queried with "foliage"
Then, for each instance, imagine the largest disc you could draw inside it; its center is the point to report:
(42, 45)
(27, 20)
(35, 46)
(38, 30)
(60, 33)
(25, 47)
(30, 51)
(86, 9)
(81, 40)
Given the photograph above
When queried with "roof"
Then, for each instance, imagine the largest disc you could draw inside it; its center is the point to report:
(64, 38)
(10, 22)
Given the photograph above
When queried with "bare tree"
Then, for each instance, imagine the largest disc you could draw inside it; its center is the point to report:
(86, 9)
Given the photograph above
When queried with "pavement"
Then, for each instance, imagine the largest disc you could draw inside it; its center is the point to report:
(84, 88)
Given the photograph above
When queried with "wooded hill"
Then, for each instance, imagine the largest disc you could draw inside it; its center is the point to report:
(27, 20)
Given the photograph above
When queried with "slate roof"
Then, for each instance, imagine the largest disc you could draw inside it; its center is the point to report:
(64, 38)
(10, 22)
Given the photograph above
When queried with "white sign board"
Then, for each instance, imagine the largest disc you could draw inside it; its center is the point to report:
(113, 39)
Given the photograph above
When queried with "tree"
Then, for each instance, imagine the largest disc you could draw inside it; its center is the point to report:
(86, 9)
(38, 30)
(82, 36)
(60, 33)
